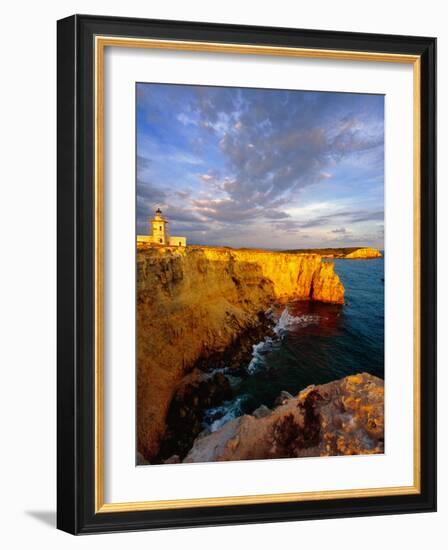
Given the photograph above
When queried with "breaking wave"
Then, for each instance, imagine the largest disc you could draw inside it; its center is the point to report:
(259, 352)
(216, 417)
(285, 323)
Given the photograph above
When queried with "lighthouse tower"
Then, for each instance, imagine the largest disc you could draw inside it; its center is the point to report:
(158, 226)
(159, 233)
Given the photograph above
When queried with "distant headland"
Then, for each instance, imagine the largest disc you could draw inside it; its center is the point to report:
(351, 253)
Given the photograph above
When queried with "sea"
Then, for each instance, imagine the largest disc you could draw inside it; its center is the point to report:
(313, 343)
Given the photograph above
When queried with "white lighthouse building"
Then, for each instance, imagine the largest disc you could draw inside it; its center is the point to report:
(159, 233)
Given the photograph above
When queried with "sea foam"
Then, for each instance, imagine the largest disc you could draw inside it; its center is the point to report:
(285, 323)
(216, 417)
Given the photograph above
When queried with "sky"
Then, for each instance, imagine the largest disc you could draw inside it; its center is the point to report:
(276, 169)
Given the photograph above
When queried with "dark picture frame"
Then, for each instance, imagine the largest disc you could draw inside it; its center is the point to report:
(81, 506)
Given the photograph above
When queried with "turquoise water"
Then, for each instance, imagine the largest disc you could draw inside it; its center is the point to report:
(314, 343)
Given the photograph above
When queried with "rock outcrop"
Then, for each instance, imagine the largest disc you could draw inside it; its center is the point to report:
(363, 254)
(326, 287)
(196, 301)
(343, 417)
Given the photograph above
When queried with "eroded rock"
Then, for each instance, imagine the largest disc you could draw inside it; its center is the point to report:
(344, 417)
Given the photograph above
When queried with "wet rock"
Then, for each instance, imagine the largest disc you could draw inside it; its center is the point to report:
(141, 460)
(282, 398)
(199, 391)
(174, 459)
(261, 411)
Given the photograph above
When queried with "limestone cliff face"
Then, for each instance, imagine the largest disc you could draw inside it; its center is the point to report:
(326, 286)
(192, 302)
(343, 417)
(363, 253)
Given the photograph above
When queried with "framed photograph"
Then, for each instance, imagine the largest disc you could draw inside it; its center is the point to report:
(246, 274)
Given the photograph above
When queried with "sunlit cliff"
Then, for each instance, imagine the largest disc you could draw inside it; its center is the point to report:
(196, 301)
(343, 417)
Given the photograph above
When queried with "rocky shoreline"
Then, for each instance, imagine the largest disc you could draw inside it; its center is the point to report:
(206, 387)
(343, 417)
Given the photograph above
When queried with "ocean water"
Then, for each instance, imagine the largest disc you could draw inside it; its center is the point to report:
(314, 343)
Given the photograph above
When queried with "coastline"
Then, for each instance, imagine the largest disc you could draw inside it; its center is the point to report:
(193, 302)
(197, 285)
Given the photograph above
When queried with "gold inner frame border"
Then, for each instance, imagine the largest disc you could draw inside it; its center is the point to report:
(101, 42)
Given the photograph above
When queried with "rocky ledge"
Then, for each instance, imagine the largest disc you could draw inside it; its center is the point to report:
(343, 417)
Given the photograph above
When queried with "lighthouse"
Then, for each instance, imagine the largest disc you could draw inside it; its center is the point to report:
(159, 233)
(159, 228)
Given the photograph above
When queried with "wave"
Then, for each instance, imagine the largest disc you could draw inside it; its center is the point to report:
(259, 351)
(288, 321)
(216, 417)
(284, 324)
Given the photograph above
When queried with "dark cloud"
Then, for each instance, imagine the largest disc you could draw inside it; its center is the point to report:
(226, 210)
(197, 227)
(183, 194)
(275, 214)
(143, 163)
(150, 192)
(356, 216)
(288, 226)
(368, 217)
(149, 198)
(179, 214)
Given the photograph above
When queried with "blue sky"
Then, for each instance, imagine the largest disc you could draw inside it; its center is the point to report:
(261, 168)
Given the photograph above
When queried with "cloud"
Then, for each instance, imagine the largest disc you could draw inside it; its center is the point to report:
(271, 154)
(275, 214)
(179, 214)
(150, 192)
(149, 198)
(352, 217)
(368, 216)
(248, 156)
(143, 163)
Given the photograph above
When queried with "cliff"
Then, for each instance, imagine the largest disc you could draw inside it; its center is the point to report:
(343, 417)
(196, 301)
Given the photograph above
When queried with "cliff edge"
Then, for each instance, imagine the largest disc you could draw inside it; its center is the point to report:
(196, 301)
